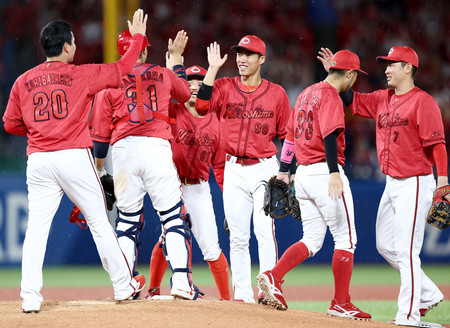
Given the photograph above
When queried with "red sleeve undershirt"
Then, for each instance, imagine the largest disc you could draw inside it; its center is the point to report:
(440, 158)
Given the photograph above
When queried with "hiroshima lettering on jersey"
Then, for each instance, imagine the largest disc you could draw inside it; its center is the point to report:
(385, 121)
(187, 137)
(52, 78)
(148, 75)
(237, 111)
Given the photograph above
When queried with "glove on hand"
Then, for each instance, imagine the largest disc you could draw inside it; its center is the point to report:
(439, 215)
(277, 198)
(295, 205)
(108, 189)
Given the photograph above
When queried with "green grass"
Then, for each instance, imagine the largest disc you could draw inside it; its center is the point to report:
(303, 275)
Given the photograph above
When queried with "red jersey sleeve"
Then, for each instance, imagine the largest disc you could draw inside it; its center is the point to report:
(13, 117)
(283, 113)
(366, 104)
(180, 87)
(331, 113)
(429, 121)
(101, 117)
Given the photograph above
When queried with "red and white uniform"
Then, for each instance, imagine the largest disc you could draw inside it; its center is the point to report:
(196, 146)
(142, 156)
(406, 125)
(249, 121)
(318, 112)
(50, 105)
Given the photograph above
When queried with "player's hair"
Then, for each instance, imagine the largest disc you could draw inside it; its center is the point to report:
(336, 71)
(413, 71)
(54, 35)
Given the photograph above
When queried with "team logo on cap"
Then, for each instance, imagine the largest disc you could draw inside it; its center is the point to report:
(333, 63)
(245, 41)
(195, 70)
(391, 51)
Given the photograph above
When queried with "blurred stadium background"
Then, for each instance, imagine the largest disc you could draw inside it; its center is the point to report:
(294, 30)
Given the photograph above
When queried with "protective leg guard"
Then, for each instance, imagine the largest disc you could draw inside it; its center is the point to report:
(219, 270)
(158, 266)
(128, 229)
(177, 248)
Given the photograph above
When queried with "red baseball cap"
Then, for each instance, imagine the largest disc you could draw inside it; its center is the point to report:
(401, 54)
(251, 43)
(345, 59)
(124, 42)
(195, 72)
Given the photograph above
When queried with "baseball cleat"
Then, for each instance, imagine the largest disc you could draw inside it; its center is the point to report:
(347, 310)
(152, 292)
(30, 311)
(271, 288)
(260, 298)
(140, 284)
(412, 323)
(425, 307)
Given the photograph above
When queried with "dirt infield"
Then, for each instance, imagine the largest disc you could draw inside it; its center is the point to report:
(91, 307)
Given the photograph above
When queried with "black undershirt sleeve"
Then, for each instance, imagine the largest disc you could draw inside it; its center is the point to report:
(347, 97)
(331, 151)
(100, 149)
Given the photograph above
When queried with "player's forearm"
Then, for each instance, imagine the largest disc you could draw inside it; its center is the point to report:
(203, 101)
(100, 153)
(331, 151)
(440, 158)
(287, 155)
(16, 129)
(211, 74)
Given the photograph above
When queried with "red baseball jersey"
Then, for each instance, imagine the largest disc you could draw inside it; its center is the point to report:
(405, 126)
(159, 85)
(317, 112)
(196, 145)
(46, 106)
(249, 121)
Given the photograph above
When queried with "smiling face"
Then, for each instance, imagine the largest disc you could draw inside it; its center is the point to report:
(194, 86)
(397, 73)
(249, 63)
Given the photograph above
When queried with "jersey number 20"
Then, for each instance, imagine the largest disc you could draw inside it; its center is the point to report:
(57, 102)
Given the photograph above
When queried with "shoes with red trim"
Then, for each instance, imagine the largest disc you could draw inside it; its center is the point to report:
(412, 323)
(271, 288)
(425, 307)
(140, 284)
(260, 298)
(155, 291)
(347, 310)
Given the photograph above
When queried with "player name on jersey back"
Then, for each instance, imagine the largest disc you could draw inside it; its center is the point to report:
(51, 78)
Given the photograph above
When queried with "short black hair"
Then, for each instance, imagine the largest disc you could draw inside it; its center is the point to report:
(413, 71)
(54, 35)
(336, 71)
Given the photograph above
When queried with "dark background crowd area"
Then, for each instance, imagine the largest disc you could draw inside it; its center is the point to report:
(293, 31)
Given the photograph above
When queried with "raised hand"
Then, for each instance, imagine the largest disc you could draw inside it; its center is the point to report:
(139, 24)
(170, 61)
(325, 56)
(176, 47)
(214, 58)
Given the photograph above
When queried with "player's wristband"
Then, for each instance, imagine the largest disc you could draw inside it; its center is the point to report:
(205, 92)
(284, 167)
(100, 149)
(180, 71)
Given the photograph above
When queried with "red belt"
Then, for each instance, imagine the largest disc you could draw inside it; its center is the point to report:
(245, 160)
(190, 181)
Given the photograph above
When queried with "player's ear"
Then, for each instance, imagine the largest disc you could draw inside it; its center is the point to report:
(262, 59)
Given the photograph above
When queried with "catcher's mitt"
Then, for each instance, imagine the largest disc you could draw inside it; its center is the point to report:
(277, 198)
(108, 189)
(439, 215)
(295, 205)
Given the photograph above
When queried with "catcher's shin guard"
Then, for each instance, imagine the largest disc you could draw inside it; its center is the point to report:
(177, 249)
(128, 229)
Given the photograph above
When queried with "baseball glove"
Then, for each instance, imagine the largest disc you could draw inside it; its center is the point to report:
(108, 189)
(277, 198)
(295, 205)
(439, 215)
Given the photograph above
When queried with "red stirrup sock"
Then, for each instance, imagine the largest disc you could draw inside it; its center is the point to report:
(158, 266)
(342, 270)
(219, 270)
(293, 256)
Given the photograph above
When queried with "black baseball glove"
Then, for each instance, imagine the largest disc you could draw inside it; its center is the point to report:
(277, 199)
(295, 205)
(439, 215)
(108, 189)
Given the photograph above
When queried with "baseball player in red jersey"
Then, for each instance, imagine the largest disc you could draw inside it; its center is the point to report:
(196, 146)
(134, 120)
(50, 105)
(251, 111)
(315, 133)
(410, 139)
